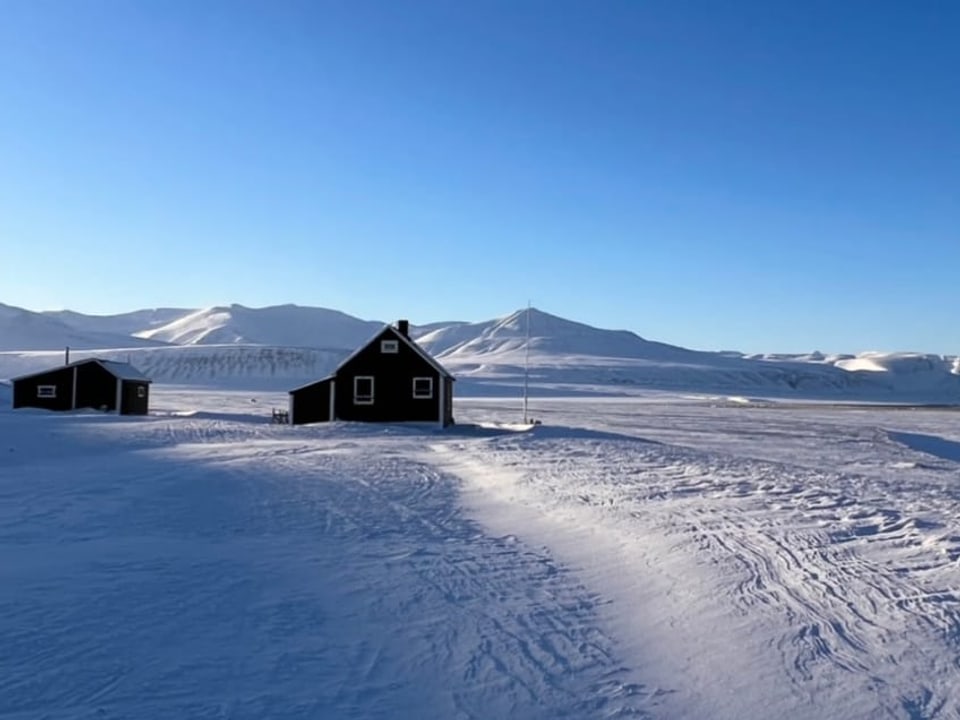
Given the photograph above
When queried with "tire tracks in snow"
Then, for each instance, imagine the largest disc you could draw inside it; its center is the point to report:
(855, 583)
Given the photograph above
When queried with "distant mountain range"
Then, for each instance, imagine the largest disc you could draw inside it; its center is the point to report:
(289, 343)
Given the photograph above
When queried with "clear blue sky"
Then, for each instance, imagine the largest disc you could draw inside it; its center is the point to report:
(754, 175)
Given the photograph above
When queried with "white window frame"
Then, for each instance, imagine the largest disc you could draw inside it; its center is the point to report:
(47, 392)
(363, 400)
(428, 395)
(389, 347)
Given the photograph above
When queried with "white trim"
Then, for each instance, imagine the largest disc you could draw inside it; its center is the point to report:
(373, 389)
(333, 397)
(47, 392)
(389, 347)
(119, 395)
(441, 415)
(313, 382)
(422, 396)
(73, 398)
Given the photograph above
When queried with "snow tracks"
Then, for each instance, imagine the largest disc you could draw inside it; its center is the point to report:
(744, 587)
(210, 569)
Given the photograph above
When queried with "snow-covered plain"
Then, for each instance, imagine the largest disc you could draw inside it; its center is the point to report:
(656, 556)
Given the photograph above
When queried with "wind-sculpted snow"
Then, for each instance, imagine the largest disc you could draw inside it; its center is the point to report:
(203, 567)
(825, 582)
(674, 559)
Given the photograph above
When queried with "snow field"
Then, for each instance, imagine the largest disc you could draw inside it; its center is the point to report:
(212, 567)
(653, 558)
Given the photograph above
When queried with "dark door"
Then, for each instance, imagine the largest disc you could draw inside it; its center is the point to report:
(134, 398)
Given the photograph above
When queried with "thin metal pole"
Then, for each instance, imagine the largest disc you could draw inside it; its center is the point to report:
(526, 369)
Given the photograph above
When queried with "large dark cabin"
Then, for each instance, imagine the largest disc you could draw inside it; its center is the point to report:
(99, 384)
(390, 379)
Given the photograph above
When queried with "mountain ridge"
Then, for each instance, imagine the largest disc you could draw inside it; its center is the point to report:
(233, 343)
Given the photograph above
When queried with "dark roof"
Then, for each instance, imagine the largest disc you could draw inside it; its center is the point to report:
(400, 336)
(328, 378)
(120, 370)
(403, 338)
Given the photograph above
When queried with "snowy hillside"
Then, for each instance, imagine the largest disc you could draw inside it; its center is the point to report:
(566, 354)
(25, 330)
(289, 325)
(227, 366)
(549, 335)
(124, 324)
(235, 345)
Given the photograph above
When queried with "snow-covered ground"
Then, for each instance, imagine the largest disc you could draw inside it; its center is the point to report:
(655, 556)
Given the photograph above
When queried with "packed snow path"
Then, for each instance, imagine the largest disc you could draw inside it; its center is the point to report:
(203, 568)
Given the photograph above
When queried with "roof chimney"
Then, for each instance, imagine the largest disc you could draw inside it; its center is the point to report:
(403, 327)
(66, 356)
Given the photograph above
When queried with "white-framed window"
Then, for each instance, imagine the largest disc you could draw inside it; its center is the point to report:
(141, 391)
(422, 388)
(390, 347)
(363, 390)
(46, 391)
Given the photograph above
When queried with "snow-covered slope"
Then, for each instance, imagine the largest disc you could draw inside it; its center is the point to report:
(220, 365)
(290, 325)
(549, 335)
(138, 321)
(234, 345)
(25, 330)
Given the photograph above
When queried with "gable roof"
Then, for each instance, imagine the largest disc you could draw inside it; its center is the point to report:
(402, 338)
(123, 371)
(120, 370)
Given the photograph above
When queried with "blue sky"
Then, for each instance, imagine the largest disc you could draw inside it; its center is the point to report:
(757, 175)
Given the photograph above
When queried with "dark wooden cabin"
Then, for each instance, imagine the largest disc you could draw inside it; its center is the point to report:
(390, 379)
(99, 384)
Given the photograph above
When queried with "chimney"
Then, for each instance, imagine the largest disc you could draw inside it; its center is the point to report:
(403, 327)
(66, 356)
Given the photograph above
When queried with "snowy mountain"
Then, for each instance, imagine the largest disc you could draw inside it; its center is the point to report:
(131, 323)
(25, 330)
(284, 345)
(289, 325)
(549, 336)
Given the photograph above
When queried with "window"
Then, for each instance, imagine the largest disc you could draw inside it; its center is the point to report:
(363, 390)
(141, 391)
(423, 388)
(391, 347)
(46, 391)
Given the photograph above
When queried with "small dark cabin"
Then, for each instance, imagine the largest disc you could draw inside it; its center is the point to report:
(390, 379)
(99, 384)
